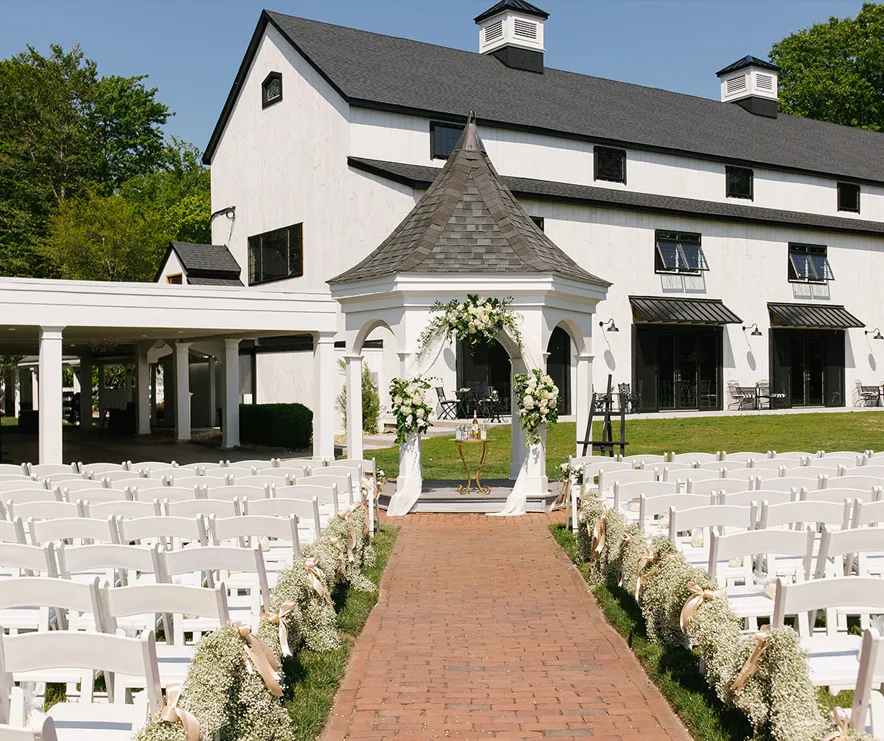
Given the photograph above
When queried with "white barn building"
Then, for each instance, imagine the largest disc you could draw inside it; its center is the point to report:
(742, 244)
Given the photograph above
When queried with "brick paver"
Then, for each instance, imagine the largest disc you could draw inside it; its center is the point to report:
(483, 630)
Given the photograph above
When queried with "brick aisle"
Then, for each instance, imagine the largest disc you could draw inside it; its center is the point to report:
(483, 631)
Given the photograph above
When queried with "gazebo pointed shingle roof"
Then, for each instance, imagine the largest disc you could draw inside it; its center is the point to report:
(467, 222)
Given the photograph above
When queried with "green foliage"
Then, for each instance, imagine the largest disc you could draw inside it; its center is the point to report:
(371, 400)
(835, 71)
(277, 425)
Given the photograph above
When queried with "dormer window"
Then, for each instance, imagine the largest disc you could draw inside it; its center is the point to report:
(848, 197)
(610, 164)
(271, 89)
(443, 139)
(740, 182)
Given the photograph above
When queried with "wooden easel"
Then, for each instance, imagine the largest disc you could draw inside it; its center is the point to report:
(604, 404)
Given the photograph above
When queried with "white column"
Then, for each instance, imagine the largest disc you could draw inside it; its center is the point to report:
(213, 412)
(403, 363)
(354, 406)
(324, 405)
(50, 395)
(519, 452)
(230, 420)
(17, 391)
(85, 373)
(142, 390)
(582, 400)
(35, 390)
(182, 391)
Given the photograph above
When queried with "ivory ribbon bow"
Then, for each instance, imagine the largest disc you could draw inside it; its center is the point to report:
(840, 718)
(365, 518)
(336, 544)
(751, 665)
(317, 579)
(351, 544)
(598, 534)
(698, 596)
(279, 619)
(261, 657)
(171, 713)
(646, 558)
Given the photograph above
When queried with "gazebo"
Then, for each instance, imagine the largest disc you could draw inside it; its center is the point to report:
(468, 235)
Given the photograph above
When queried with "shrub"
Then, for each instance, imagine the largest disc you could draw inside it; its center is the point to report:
(277, 425)
(371, 400)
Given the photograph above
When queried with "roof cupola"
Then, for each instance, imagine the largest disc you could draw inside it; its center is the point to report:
(512, 30)
(751, 83)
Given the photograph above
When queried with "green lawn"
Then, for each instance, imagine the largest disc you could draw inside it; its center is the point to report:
(9, 421)
(781, 432)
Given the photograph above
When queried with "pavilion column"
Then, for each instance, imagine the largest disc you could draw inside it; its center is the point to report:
(142, 390)
(50, 396)
(324, 405)
(519, 451)
(230, 415)
(404, 357)
(354, 407)
(16, 381)
(182, 391)
(85, 373)
(213, 392)
(35, 389)
(583, 400)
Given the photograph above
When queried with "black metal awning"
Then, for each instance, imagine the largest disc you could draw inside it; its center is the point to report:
(663, 310)
(812, 316)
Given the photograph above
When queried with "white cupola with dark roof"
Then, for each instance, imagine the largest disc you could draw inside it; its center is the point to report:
(751, 83)
(512, 30)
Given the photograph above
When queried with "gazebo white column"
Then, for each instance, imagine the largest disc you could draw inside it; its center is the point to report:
(50, 441)
(230, 421)
(583, 399)
(85, 373)
(324, 406)
(142, 390)
(354, 406)
(182, 391)
(518, 452)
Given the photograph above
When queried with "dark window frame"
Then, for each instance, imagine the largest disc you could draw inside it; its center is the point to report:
(598, 175)
(841, 206)
(442, 125)
(680, 239)
(253, 272)
(539, 222)
(266, 102)
(727, 182)
(812, 267)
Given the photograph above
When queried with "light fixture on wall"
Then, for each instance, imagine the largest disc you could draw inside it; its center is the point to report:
(755, 331)
(611, 326)
(877, 333)
(229, 212)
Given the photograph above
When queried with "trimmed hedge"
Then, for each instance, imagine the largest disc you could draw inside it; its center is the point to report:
(276, 425)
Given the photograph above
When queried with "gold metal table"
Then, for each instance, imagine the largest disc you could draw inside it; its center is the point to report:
(473, 478)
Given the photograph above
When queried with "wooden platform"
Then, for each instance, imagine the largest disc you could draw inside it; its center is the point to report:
(442, 496)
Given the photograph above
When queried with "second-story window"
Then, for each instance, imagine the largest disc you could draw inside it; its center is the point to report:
(677, 252)
(740, 182)
(276, 255)
(848, 197)
(610, 164)
(443, 139)
(809, 263)
(538, 220)
(271, 89)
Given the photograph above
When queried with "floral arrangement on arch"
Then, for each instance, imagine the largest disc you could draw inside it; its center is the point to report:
(476, 320)
(537, 396)
(410, 406)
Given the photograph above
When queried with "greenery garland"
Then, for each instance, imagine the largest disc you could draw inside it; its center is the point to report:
(476, 320)
(778, 698)
(410, 406)
(537, 396)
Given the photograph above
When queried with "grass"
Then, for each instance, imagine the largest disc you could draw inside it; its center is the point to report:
(8, 421)
(317, 676)
(674, 670)
(782, 432)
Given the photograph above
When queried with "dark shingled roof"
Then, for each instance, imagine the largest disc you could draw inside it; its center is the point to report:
(419, 176)
(371, 70)
(520, 6)
(748, 61)
(205, 264)
(467, 222)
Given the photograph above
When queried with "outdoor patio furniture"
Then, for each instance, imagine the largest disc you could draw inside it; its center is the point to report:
(707, 398)
(868, 396)
(774, 398)
(741, 396)
(447, 407)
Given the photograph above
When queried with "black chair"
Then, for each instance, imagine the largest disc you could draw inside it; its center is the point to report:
(447, 407)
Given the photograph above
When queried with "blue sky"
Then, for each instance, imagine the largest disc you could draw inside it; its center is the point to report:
(191, 49)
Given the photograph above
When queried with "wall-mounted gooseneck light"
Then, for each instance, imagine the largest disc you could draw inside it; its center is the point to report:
(877, 333)
(755, 331)
(229, 212)
(610, 324)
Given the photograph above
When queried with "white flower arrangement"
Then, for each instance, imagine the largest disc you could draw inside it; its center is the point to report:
(411, 406)
(476, 320)
(571, 473)
(537, 395)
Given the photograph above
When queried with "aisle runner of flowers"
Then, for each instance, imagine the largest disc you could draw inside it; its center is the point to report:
(764, 675)
(234, 685)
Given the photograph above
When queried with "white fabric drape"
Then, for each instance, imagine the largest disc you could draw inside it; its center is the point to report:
(410, 481)
(529, 481)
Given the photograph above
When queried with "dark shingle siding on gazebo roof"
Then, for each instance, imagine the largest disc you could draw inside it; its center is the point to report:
(748, 61)
(467, 223)
(205, 264)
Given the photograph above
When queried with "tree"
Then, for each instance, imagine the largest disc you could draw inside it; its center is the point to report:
(371, 400)
(65, 132)
(99, 237)
(835, 71)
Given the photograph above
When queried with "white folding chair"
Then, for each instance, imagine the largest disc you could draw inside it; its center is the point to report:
(727, 486)
(169, 493)
(727, 465)
(840, 494)
(866, 514)
(862, 548)
(203, 507)
(113, 563)
(43, 510)
(689, 529)
(654, 507)
(44, 730)
(694, 476)
(867, 712)
(775, 464)
(752, 474)
(794, 455)
(325, 495)
(248, 464)
(235, 491)
(800, 514)
(241, 478)
(625, 493)
(21, 483)
(787, 483)
(645, 459)
(277, 537)
(743, 456)
(140, 465)
(13, 477)
(170, 532)
(306, 511)
(86, 530)
(867, 483)
(12, 531)
(122, 509)
(746, 498)
(91, 652)
(876, 472)
(693, 459)
(43, 470)
(188, 482)
(95, 470)
(43, 603)
(15, 468)
(18, 559)
(21, 496)
(165, 472)
(609, 479)
(93, 494)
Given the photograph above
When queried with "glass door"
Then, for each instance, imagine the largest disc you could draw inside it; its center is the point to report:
(808, 368)
(686, 373)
